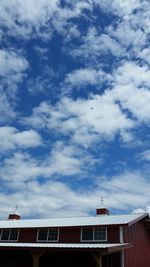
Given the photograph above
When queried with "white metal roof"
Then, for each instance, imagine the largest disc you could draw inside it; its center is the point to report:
(76, 221)
(63, 245)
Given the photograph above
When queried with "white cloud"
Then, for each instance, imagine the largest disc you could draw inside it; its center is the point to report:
(11, 63)
(139, 210)
(141, 18)
(18, 168)
(125, 37)
(11, 138)
(95, 44)
(145, 54)
(78, 119)
(85, 76)
(42, 52)
(43, 81)
(131, 73)
(131, 89)
(6, 110)
(145, 155)
(12, 71)
(121, 8)
(68, 160)
(126, 137)
(127, 101)
(127, 191)
(132, 29)
(56, 200)
(63, 160)
(135, 101)
(125, 7)
(133, 38)
(25, 18)
(21, 16)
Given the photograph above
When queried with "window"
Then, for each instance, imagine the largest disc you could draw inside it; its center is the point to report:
(5, 235)
(94, 234)
(42, 234)
(87, 234)
(53, 235)
(100, 234)
(48, 235)
(9, 235)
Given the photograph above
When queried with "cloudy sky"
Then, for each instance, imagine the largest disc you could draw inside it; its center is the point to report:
(74, 106)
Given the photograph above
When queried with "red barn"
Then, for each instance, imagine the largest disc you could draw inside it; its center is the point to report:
(99, 241)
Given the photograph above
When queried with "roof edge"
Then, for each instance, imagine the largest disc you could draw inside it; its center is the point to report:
(144, 215)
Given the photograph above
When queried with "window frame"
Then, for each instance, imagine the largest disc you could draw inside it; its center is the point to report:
(9, 235)
(93, 239)
(47, 240)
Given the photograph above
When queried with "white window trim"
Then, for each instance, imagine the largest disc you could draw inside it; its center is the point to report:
(94, 240)
(8, 240)
(47, 241)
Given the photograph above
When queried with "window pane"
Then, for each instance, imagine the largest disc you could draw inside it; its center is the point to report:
(87, 234)
(42, 234)
(53, 235)
(5, 235)
(100, 234)
(13, 234)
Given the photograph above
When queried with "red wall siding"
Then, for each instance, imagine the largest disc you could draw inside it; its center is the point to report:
(69, 235)
(27, 235)
(113, 234)
(139, 254)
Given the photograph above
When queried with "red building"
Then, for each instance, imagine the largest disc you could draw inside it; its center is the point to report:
(103, 240)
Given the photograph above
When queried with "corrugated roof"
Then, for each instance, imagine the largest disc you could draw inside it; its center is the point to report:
(76, 221)
(62, 245)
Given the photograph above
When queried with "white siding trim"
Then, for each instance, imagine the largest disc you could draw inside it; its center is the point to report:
(122, 258)
(121, 241)
(121, 234)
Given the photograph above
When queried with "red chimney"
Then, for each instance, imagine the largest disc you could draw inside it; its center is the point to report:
(102, 211)
(14, 215)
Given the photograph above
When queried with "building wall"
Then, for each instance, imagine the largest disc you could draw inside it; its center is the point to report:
(68, 235)
(139, 254)
(113, 234)
(27, 235)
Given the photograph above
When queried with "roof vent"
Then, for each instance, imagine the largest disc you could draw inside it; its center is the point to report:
(14, 215)
(102, 210)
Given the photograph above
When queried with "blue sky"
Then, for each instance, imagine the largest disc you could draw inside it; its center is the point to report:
(74, 106)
